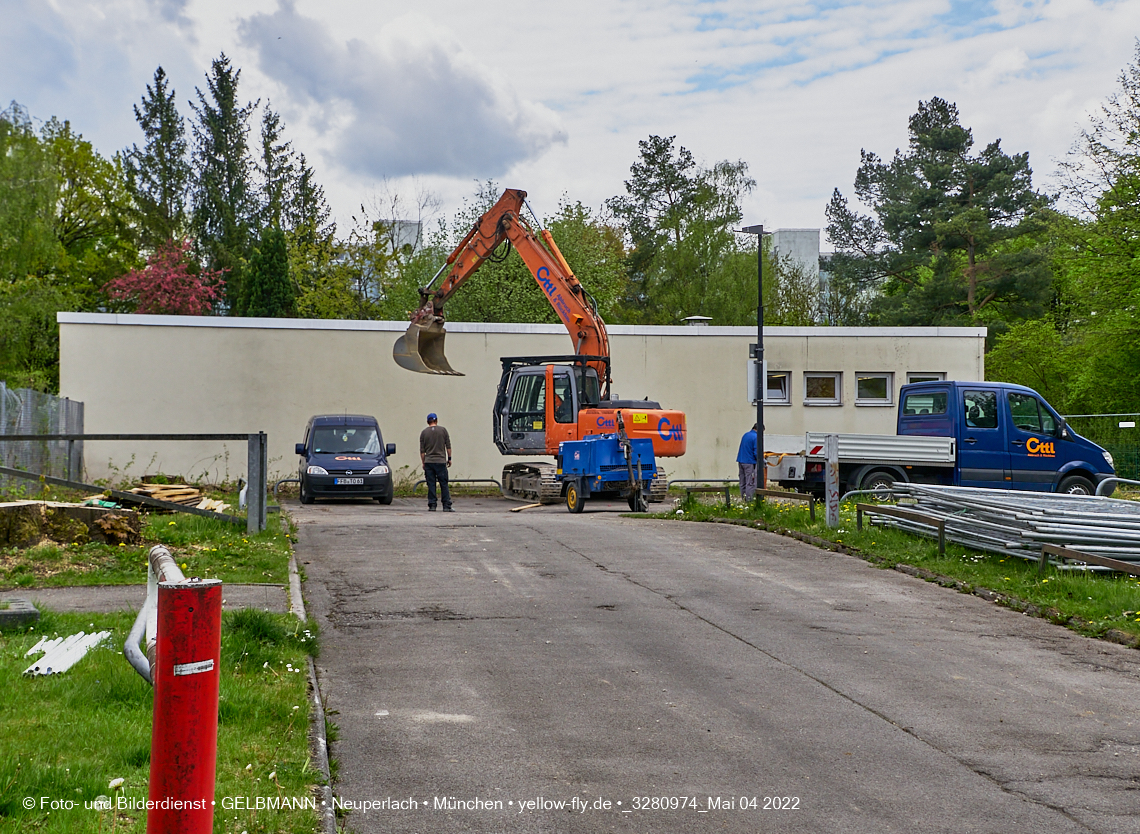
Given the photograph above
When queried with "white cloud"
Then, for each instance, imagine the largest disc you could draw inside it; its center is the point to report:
(553, 97)
(413, 102)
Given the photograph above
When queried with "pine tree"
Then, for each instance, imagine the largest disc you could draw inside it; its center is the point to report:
(277, 169)
(269, 292)
(158, 174)
(224, 198)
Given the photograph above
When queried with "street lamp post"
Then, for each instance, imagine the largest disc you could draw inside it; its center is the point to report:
(761, 382)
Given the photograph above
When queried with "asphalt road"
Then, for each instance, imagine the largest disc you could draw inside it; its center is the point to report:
(538, 658)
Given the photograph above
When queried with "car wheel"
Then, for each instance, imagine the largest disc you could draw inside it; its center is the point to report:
(574, 501)
(384, 499)
(1076, 485)
(878, 480)
(306, 494)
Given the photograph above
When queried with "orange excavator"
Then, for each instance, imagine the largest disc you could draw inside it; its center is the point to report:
(541, 400)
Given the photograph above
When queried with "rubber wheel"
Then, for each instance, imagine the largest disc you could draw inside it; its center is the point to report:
(306, 496)
(1076, 485)
(878, 480)
(384, 499)
(574, 500)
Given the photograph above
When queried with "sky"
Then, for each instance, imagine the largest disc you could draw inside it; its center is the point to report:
(398, 100)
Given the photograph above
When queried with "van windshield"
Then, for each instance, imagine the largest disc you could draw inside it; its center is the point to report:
(340, 440)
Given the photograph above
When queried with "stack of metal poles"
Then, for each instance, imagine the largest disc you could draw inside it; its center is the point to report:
(1017, 523)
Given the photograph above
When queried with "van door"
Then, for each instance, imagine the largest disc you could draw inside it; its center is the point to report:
(1034, 436)
(983, 459)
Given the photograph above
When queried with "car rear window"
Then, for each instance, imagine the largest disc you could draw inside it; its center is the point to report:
(927, 402)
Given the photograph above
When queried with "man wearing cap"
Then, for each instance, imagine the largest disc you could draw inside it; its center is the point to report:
(435, 455)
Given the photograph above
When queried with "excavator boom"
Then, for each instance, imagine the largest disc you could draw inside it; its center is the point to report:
(421, 349)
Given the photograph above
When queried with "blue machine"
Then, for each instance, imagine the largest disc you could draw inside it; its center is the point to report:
(606, 465)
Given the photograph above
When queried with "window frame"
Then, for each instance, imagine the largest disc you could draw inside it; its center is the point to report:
(837, 400)
(787, 398)
(876, 402)
(927, 376)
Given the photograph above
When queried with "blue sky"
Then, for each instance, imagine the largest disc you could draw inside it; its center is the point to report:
(394, 99)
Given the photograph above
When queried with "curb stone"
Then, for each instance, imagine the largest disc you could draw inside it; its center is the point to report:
(318, 737)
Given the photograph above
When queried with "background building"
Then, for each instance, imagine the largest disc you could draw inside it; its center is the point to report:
(190, 374)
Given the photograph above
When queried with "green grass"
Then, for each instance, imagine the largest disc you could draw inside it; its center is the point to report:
(1092, 603)
(204, 547)
(66, 737)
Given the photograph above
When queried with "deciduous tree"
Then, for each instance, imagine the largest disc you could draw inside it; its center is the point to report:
(168, 285)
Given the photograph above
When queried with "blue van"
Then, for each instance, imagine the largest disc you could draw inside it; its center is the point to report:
(344, 456)
(1008, 437)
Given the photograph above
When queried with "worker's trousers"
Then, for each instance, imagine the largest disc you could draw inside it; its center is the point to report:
(747, 480)
(437, 472)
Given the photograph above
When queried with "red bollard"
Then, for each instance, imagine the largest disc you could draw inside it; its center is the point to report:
(184, 739)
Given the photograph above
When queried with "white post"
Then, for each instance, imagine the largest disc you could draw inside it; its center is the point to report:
(831, 479)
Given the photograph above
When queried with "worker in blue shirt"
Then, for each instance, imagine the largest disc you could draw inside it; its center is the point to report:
(746, 464)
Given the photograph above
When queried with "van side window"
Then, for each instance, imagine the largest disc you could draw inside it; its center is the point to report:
(980, 409)
(930, 402)
(1031, 415)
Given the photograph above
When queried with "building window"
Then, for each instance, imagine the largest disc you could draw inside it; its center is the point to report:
(875, 389)
(778, 391)
(823, 389)
(925, 376)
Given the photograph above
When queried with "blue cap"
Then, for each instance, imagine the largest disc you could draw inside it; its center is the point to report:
(432, 417)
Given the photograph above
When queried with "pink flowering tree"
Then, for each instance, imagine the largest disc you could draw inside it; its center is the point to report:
(166, 286)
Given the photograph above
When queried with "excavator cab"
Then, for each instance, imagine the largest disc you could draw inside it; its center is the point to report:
(537, 405)
(420, 349)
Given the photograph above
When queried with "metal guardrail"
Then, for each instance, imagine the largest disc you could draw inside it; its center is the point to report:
(1114, 481)
(451, 481)
(701, 481)
(284, 481)
(790, 496)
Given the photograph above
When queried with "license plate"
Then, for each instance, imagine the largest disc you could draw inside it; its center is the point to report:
(348, 481)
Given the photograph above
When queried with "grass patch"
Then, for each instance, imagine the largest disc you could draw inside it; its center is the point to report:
(66, 737)
(1092, 603)
(203, 547)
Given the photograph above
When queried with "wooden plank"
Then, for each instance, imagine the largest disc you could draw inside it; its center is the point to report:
(118, 495)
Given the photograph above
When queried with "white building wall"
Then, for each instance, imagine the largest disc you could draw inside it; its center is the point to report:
(184, 374)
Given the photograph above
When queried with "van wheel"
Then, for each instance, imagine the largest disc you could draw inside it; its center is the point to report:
(306, 495)
(574, 501)
(384, 499)
(878, 480)
(1076, 485)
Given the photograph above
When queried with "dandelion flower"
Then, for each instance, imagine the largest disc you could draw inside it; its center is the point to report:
(116, 783)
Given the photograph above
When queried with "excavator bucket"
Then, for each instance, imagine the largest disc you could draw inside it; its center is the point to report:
(421, 350)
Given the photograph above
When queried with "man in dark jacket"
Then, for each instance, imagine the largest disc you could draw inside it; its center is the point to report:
(435, 455)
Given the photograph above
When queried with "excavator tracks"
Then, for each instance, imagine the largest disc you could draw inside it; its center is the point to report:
(658, 488)
(532, 481)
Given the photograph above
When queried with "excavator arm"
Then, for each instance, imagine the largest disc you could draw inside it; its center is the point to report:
(421, 348)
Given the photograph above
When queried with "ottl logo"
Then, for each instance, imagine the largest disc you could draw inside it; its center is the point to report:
(1039, 448)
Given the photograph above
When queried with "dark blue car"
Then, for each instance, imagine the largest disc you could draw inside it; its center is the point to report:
(344, 456)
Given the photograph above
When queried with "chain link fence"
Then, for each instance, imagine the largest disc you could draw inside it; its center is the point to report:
(1118, 433)
(23, 411)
